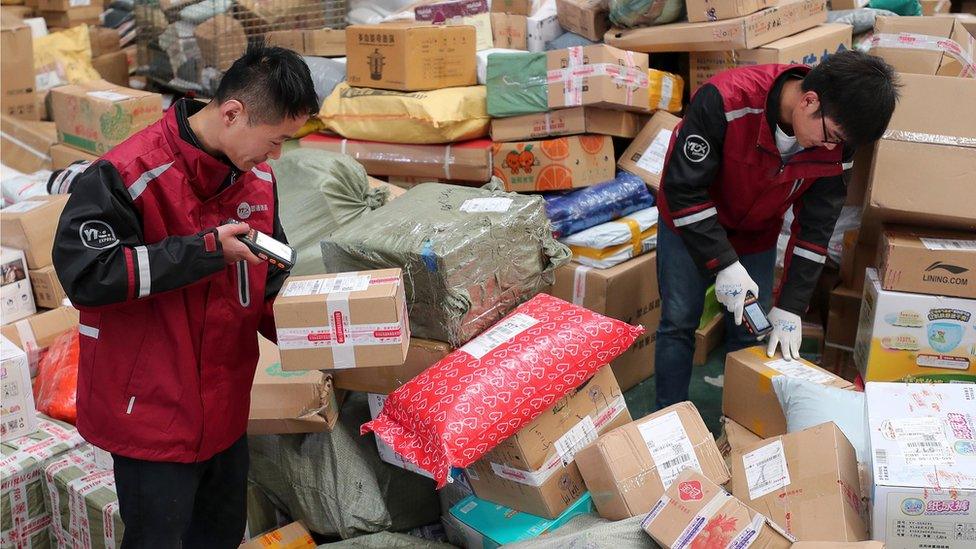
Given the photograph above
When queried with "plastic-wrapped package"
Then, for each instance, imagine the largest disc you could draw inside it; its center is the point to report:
(483, 62)
(581, 209)
(22, 187)
(83, 501)
(326, 75)
(666, 90)
(517, 84)
(568, 40)
(63, 58)
(590, 530)
(184, 54)
(56, 384)
(468, 255)
(900, 7)
(542, 26)
(861, 19)
(614, 242)
(200, 12)
(457, 410)
(639, 13)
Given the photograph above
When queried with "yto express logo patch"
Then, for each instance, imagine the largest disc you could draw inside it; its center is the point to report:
(97, 235)
(696, 148)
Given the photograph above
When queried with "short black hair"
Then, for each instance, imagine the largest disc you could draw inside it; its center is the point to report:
(272, 83)
(857, 91)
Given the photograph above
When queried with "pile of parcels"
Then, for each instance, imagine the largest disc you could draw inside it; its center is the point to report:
(476, 285)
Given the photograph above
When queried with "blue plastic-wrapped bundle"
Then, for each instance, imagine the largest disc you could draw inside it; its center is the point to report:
(579, 210)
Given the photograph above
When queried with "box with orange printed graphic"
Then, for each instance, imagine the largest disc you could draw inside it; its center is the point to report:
(554, 164)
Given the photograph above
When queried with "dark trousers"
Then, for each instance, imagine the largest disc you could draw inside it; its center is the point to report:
(172, 505)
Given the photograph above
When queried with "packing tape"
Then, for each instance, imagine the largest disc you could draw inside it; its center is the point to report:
(635, 233)
(26, 333)
(39, 154)
(343, 351)
(447, 162)
(750, 533)
(572, 76)
(924, 42)
(78, 492)
(579, 284)
(930, 138)
(108, 523)
(655, 511)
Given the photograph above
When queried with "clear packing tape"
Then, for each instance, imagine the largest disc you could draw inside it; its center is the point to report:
(913, 41)
(929, 138)
(432, 156)
(629, 76)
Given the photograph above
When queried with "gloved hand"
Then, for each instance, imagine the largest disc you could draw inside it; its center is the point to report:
(731, 286)
(787, 332)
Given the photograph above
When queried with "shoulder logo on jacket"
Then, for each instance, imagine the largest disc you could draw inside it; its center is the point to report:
(244, 210)
(696, 148)
(97, 235)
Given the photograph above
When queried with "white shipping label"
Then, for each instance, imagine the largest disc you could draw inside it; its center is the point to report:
(652, 159)
(795, 368)
(667, 89)
(79, 3)
(922, 441)
(579, 284)
(670, 447)
(766, 469)
(499, 334)
(109, 95)
(573, 441)
(24, 206)
(941, 244)
(491, 204)
(355, 283)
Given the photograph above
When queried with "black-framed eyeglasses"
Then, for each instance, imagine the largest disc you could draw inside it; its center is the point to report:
(823, 122)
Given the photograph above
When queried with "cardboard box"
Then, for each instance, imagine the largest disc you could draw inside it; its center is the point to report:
(17, 414)
(933, 7)
(707, 339)
(508, 31)
(534, 470)
(845, 307)
(750, 31)
(96, 116)
(905, 337)
(924, 45)
(701, 11)
(554, 164)
(72, 17)
(221, 40)
(626, 292)
(543, 26)
(421, 354)
(696, 509)
(410, 57)
(514, 7)
(63, 156)
(587, 18)
(809, 47)
(918, 146)
(575, 120)
(103, 40)
(806, 482)
(646, 155)
(733, 440)
(292, 536)
(488, 525)
(748, 397)
(598, 76)
(466, 161)
(113, 67)
(928, 262)
(628, 469)
(26, 144)
(923, 464)
(65, 5)
(39, 331)
(374, 330)
(48, 292)
(17, 70)
(838, 545)
(30, 226)
(318, 42)
(292, 402)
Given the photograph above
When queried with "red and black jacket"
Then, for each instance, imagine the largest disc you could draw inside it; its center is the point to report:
(726, 188)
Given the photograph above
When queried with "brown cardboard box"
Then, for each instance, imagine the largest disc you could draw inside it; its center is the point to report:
(806, 482)
(71, 17)
(421, 354)
(839, 361)
(587, 18)
(626, 292)
(927, 57)
(113, 67)
(628, 469)
(374, 324)
(748, 397)
(859, 252)
(598, 76)
(928, 261)
(554, 164)
(43, 328)
(508, 31)
(858, 184)
(701, 11)
(918, 146)
(221, 40)
(103, 40)
(695, 508)
(318, 42)
(933, 7)
(96, 116)
(65, 5)
(749, 31)
(17, 69)
(838, 545)
(62, 156)
(733, 440)
(575, 120)
(514, 7)
(646, 154)
(466, 161)
(845, 307)
(708, 338)
(16, 12)
(809, 47)
(30, 226)
(48, 292)
(411, 57)
(534, 470)
(291, 402)
(26, 144)
(292, 536)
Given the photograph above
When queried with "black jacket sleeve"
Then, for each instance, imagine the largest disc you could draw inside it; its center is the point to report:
(814, 215)
(101, 257)
(692, 167)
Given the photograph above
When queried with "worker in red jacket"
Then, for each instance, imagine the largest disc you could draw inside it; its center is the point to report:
(171, 301)
(754, 143)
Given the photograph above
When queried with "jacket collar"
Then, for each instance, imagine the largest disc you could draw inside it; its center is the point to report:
(204, 172)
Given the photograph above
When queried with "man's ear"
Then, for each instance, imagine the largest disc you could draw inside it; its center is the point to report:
(810, 98)
(231, 112)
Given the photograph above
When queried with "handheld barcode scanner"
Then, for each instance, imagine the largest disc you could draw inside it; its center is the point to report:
(755, 318)
(277, 253)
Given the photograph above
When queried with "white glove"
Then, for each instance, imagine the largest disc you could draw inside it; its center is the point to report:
(731, 286)
(787, 332)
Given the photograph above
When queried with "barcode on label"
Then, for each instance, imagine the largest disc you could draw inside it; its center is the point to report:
(881, 457)
(948, 244)
(669, 446)
(499, 334)
(680, 460)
